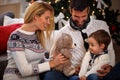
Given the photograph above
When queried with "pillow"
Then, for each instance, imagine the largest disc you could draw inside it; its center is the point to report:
(10, 14)
(8, 20)
(5, 31)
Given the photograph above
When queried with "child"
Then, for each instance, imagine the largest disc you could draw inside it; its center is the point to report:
(96, 56)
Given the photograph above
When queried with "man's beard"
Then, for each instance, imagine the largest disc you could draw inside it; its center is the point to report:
(75, 24)
(79, 25)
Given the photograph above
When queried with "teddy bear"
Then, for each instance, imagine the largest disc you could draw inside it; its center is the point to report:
(64, 44)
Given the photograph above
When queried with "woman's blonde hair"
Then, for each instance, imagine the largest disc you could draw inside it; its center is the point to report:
(38, 8)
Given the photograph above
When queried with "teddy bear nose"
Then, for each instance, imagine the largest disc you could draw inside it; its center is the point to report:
(75, 44)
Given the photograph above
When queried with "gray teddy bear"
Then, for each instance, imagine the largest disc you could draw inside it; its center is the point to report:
(64, 44)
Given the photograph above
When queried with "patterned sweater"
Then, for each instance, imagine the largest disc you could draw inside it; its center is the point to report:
(25, 57)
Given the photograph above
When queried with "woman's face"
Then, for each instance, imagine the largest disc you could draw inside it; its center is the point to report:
(43, 21)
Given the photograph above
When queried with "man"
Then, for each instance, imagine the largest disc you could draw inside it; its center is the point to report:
(79, 27)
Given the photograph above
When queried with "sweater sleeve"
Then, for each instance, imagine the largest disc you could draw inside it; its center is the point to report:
(26, 68)
(84, 65)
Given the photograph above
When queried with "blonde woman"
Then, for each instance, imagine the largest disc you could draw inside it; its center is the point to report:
(26, 45)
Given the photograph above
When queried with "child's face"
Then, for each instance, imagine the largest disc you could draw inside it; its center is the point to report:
(94, 47)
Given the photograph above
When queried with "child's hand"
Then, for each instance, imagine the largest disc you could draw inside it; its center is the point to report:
(77, 69)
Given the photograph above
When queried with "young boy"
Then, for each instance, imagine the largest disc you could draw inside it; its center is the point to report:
(96, 56)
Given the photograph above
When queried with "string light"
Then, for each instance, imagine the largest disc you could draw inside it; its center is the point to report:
(62, 7)
(93, 4)
(103, 13)
(57, 1)
(93, 12)
(69, 1)
(49, 2)
(67, 17)
(100, 10)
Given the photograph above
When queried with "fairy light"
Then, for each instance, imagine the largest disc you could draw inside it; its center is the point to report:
(93, 4)
(57, 1)
(93, 12)
(69, 1)
(62, 7)
(49, 2)
(100, 10)
(103, 13)
(67, 17)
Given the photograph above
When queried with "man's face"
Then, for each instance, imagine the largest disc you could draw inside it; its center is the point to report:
(79, 17)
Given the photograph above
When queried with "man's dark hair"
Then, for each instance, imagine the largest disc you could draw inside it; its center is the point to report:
(79, 4)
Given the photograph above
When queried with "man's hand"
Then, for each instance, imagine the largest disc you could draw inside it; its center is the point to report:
(105, 69)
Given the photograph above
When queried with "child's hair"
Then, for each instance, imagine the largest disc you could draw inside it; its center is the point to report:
(102, 37)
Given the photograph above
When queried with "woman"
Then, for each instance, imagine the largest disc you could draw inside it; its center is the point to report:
(26, 45)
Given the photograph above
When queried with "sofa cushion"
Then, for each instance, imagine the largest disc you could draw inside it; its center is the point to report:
(5, 31)
(10, 14)
(8, 20)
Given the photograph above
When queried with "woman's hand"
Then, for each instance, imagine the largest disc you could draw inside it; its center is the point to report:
(57, 60)
(105, 69)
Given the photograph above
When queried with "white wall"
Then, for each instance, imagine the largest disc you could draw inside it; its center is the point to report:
(23, 5)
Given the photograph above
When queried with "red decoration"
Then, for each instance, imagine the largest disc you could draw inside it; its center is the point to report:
(113, 28)
(5, 32)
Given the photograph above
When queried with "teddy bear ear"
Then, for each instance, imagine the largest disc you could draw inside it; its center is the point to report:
(65, 35)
